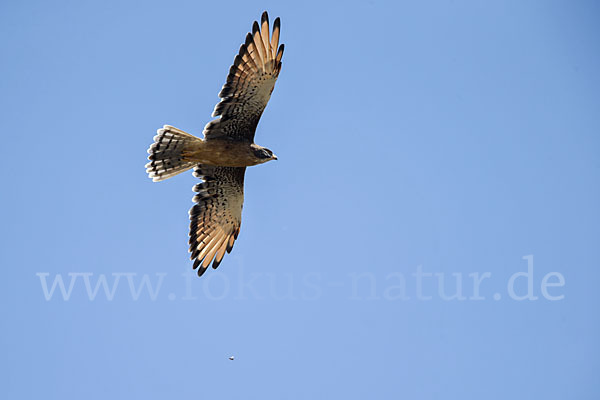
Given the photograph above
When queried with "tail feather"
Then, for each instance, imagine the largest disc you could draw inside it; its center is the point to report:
(166, 159)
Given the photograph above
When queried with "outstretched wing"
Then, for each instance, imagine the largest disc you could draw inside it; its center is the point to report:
(249, 84)
(217, 216)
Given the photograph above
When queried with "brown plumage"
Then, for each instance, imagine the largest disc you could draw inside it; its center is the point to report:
(221, 158)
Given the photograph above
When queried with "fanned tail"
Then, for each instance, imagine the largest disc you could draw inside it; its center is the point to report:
(166, 158)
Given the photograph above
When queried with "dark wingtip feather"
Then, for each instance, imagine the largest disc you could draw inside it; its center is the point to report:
(279, 54)
(229, 248)
(236, 62)
(201, 271)
(248, 39)
(264, 17)
(255, 28)
(277, 23)
(216, 263)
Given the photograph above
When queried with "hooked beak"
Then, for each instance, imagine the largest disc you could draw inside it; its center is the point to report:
(274, 157)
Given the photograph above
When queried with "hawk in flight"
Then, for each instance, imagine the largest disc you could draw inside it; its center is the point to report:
(221, 158)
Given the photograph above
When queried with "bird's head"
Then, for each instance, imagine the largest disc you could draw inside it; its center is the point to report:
(263, 154)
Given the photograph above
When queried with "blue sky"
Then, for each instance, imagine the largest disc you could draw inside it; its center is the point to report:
(421, 145)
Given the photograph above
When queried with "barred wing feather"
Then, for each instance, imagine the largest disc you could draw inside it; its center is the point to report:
(216, 217)
(249, 84)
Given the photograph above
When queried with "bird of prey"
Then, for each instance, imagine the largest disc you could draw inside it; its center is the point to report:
(221, 158)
